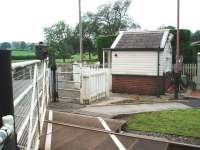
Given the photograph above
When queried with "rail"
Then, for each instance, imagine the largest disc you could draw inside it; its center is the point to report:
(31, 96)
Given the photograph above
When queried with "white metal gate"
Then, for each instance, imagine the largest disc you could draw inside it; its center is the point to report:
(31, 96)
(68, 87)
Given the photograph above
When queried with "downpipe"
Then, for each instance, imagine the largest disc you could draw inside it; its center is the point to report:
(6, 132)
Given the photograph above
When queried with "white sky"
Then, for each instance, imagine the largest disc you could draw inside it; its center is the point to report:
(24, 20)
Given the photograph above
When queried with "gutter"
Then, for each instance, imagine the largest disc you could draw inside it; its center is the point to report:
(7, 130)
(158, 73)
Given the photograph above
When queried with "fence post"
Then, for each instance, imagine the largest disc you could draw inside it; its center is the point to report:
(53, 82)
(198, 71)
(6, 93)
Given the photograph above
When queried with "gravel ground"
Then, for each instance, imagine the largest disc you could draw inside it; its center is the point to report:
(175, 138)
(192, 103)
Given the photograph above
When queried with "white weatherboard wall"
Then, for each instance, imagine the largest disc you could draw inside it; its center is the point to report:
(137, 63)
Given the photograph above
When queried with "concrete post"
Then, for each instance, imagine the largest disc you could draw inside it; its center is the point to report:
(198, 71)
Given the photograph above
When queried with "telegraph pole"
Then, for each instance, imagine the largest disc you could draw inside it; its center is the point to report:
(177, 68)
(80, 33)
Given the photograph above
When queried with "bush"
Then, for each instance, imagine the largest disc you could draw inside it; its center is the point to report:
(104, 42)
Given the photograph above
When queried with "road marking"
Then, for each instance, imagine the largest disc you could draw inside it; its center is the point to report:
(49, 130)
(114, 138)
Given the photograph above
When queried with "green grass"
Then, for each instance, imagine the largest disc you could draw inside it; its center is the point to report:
(177, 122)
(26, 54)
(22, 54)
(76, 58)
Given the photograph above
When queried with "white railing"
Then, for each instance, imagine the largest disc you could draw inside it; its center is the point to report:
(95, 83)
(31, 96)
(190, 70)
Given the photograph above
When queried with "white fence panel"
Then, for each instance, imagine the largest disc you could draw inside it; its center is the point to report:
(95, 82)
(190, 70)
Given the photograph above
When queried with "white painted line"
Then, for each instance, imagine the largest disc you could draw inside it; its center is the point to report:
(49, 130)
(114, 138)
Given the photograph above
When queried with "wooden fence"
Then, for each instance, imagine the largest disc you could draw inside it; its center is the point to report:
(189, 70)
(95, 82)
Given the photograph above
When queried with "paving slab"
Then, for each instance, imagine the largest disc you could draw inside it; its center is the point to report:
(114, 110)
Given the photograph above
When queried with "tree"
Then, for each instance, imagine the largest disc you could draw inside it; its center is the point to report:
(185, 45)
(114, 17)
(58, 38)
(23, 45)
(5, 45)
(196, 36)
(30, 46)
(109, 19)
(88, 38)
(103, 42)
(15, 45)
(186, 50)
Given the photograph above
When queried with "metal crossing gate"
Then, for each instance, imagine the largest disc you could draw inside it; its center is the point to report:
(31, 96)
(82, 84)
(69, 88)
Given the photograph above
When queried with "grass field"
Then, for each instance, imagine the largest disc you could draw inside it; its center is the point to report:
(76, 58)
(176, 122)
(27, 55)
(22, 54)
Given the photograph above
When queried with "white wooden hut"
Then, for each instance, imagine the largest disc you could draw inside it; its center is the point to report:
(139, 60)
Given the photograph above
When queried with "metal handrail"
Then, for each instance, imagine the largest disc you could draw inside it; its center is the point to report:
(24, 64)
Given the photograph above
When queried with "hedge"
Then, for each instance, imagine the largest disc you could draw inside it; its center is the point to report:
(186, 50)
(103, 42)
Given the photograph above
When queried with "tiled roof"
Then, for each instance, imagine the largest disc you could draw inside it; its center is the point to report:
(140, 40)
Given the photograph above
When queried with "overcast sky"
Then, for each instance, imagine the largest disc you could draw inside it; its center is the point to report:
(24, 20)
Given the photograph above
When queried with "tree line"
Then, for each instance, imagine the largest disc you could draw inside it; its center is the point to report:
(99, 31)
(17, 45)
(108, 20)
